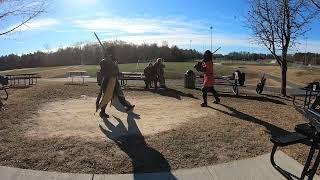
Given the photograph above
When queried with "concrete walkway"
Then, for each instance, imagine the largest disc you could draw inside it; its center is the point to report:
(253, 168)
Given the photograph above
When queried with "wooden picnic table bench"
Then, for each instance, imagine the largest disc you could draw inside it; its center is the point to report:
(77, 74)
(27, 79)
(125, 76)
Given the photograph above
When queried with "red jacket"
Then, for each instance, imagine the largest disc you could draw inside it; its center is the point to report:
(208, 80)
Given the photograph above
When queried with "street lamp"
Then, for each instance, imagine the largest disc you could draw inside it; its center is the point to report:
(211, 37)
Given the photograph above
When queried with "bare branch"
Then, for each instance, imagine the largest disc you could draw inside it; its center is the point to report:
(316, 3)
(20, 11)
(277, 24)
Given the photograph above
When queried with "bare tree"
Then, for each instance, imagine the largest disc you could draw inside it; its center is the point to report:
(316, 3)
(277, 24)
(16, 13)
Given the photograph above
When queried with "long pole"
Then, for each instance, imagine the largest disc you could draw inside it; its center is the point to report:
(211, 37)
(305, 52)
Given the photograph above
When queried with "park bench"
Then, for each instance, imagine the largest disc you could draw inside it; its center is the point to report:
(77, 74)
(229, 81)
(135, 76)
(307, 133)
(23, 79)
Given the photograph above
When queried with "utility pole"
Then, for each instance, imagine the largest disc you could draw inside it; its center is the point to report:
(211, 37)
(305, 52)
(190, 43)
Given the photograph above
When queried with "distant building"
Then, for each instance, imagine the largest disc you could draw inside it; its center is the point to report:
(271, 61)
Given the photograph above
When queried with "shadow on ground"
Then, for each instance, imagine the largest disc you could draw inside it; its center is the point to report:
(144, 158)
(173, 93)
(271, 129)
(255, 98)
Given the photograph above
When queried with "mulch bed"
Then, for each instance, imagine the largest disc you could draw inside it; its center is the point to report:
(240, 129)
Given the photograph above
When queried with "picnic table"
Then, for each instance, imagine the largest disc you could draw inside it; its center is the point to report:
(26, 79)
(77, 74)
(306, 133)
(307, 94)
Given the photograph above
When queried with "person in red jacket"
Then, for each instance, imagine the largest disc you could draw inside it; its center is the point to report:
(208, 80)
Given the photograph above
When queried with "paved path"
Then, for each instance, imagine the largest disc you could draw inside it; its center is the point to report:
(253, 168)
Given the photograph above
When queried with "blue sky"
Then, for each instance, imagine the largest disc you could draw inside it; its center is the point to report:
(184, 23)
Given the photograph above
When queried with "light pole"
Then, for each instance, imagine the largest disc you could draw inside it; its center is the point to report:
(305, 52)
(211, 37)
(190, 43)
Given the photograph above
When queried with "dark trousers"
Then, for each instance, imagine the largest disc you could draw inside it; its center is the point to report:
(149, 82)
(205, 91)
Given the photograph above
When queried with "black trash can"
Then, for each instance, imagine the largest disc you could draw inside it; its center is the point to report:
(190, 80)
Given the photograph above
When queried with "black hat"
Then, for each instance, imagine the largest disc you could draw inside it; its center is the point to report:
(208, 52)
(207, 56)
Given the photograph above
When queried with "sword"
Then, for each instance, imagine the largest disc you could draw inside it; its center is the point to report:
(102, 46)
(216, 50)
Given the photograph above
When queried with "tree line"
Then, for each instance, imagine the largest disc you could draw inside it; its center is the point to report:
(90, 54)
(303, 58)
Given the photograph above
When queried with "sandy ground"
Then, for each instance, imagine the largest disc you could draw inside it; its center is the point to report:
(76, 117)
(269, 82)
(40, 131)
(298, 76)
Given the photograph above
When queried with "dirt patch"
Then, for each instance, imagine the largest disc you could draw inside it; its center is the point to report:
(269, 82)
(76, 117)
(294, 74)
(238, 128)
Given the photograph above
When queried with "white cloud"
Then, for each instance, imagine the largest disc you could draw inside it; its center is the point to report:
(176, 31)
(134, 25)
(36, 24)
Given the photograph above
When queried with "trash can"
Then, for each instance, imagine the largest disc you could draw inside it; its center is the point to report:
(190, 80)
(99, 78)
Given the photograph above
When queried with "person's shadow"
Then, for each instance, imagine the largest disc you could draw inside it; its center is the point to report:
(144, 158)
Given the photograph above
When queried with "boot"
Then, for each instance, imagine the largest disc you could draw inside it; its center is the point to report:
(129, 108)
(103, 114)
(204, 105)
(217, 101)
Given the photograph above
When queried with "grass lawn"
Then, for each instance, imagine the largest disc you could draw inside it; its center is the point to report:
(176, 70)
(29, 70)
(173, 70)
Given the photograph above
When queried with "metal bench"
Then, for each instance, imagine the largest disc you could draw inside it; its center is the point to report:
(136, 76)
(77, 74)
(230, 81)
(308, 94)
(304, 133)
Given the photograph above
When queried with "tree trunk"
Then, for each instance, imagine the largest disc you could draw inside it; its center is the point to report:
(284, 79)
